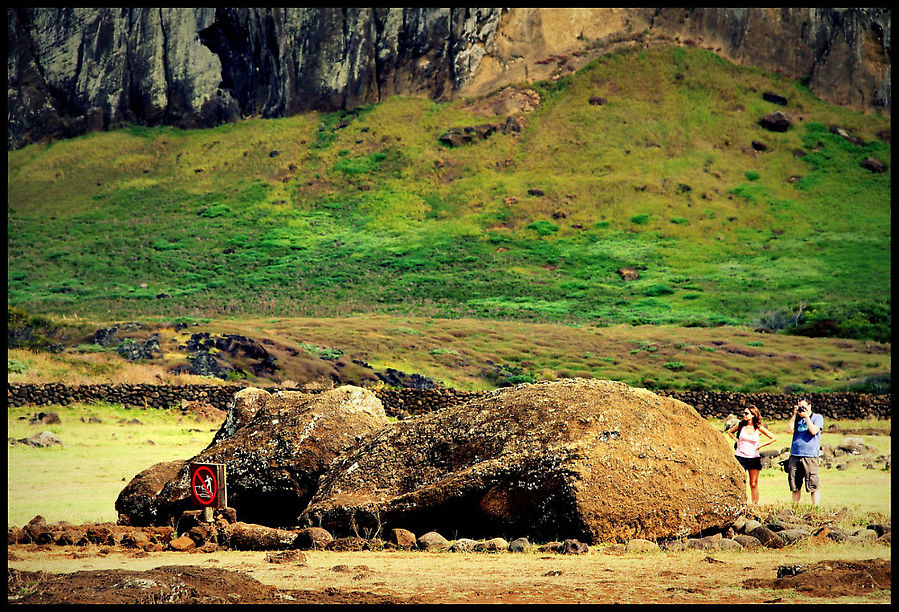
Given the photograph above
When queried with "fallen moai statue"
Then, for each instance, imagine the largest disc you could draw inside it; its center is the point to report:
(586, 459)
(274, 452)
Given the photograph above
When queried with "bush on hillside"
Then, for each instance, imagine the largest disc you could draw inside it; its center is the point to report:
(862, 321)
(31, 332)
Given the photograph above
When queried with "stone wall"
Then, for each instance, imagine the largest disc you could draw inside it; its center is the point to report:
(405, 402)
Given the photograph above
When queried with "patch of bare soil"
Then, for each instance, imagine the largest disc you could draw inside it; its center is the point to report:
(116, 575)
(831, 578)
(202, 411)
(173, 584)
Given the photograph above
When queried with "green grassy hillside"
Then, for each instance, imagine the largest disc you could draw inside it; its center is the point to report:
(367, 212)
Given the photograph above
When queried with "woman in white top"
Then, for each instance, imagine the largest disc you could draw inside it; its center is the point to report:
(747, 437)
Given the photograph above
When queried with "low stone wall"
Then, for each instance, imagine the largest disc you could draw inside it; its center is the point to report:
(403, 402)
(775, 406)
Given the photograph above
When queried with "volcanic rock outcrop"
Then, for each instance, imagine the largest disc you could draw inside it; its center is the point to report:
(274, 461)
(75, 70)
(585, 459)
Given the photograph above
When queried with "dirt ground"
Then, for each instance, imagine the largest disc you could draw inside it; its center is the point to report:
(96, 574)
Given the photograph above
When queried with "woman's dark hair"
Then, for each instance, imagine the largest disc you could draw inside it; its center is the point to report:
(756, 416)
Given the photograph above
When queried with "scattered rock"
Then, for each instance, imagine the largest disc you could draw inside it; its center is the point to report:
(348, 544)
(853, 446)
(463, 545)
(729, 544)
(135, 539)
(519, 545)
(844, 133)
(791, 536)
(768, 538)
(41, 440)
(294, 557)
(432, 541)
(750, 525)
(182, 544)
(638, 545)
(492, 545)
(47, 418)
(628, 274)
(866, 534)
(774, 98)
(244, 536)
(401, 538)
(775, 122)
(574, 547)
(874, 165)
(459, 136)
(706, 543)
(830, 579)
(551, 547)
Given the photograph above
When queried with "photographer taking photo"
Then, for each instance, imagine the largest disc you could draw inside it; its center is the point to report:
(806, 428)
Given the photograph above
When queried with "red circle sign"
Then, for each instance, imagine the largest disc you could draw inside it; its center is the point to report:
(204, 486)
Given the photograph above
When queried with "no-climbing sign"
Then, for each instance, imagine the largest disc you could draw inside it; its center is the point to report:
(207, 484)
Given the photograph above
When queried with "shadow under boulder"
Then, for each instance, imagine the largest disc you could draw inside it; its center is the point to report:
(585, 459)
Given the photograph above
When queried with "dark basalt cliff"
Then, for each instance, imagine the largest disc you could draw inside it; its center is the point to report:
(74, 70)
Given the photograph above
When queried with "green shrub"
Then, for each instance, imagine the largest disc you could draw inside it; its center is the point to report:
(641, 219)
(31, 331)
(218, 210)
(869, 320)
(657, 290)
(162, 244)
(543, 228)
(15, 366)
(673, 365)
(752, 175)
(442, 351)
(322, 351)
(878, 384)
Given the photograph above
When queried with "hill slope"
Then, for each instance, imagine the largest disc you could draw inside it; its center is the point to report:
(368, 212)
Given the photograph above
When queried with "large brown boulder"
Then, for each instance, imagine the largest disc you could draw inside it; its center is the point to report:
(586, 459)
(273, 462)
(136, 503)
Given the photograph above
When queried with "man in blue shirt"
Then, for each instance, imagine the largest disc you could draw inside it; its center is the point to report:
(803, 466)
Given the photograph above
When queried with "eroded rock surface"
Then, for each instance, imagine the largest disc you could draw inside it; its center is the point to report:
(586, 459)
(274, 461)
(136, 503)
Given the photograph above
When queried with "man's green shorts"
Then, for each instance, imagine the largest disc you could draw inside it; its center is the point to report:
(803, 469)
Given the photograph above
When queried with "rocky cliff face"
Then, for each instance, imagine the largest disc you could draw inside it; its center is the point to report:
(73, 70)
